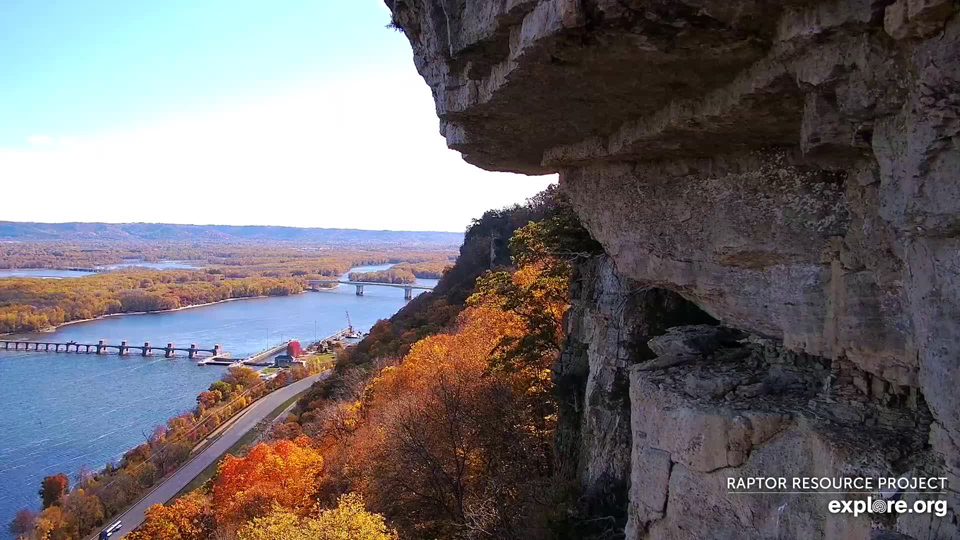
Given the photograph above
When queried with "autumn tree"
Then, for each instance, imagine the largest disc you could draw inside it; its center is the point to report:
(451, 430)
(242, 376)
(285, 431)
(349, 520)
(83, 511)
(280, 472)
(209, 399)
(138, 454)
(223, 387)
(122, 489)
(23, 523)
(537, 294)
(53, 488)
(35, 304)
(440, 430)
(559, 236)
(542, 253)
(189, 518)
(52, 525)
(392, 275)
(171, 454)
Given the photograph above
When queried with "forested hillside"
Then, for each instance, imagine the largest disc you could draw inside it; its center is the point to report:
(440, 424)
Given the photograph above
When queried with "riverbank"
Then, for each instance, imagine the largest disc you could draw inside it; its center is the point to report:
(77, 412)
(244, 423)
(51, 329)
(236, 415)
(32, 305)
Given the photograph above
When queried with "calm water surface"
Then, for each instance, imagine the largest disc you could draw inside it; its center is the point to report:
(160, 265)
(65, 412)
(42, 273)
(48, 273)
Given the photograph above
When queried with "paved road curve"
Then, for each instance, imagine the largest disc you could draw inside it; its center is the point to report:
(164, 491)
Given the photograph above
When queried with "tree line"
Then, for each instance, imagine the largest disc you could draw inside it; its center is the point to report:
(28, 305)
(246, 259)
(391, 275)
(425, 270)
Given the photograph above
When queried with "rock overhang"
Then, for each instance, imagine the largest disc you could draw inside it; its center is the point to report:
(791, 167)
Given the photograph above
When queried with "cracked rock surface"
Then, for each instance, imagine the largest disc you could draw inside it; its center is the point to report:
(791, 167)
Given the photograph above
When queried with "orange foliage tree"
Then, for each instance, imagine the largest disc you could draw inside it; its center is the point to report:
(53, 489)
(442, 432)
(188, 518)
(281, 472)
(460, 434)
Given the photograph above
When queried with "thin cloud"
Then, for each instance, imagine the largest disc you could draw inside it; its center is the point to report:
(39, 139)
(333, 156)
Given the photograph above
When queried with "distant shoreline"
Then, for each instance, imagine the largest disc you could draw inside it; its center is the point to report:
(52, 329)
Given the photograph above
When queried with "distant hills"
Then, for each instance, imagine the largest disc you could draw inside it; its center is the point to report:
(149, 232)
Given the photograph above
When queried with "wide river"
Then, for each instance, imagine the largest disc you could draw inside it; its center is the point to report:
(66, 412)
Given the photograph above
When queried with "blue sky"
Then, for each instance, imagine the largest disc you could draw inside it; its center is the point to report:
(241, 104)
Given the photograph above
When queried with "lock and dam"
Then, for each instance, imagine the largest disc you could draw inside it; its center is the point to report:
(102, 347)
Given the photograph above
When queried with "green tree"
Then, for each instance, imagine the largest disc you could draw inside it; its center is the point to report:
(224, 388)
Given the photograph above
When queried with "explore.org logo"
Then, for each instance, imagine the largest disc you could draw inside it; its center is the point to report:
(881, 506)
(882, 495)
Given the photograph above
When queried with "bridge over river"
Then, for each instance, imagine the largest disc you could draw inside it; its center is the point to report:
(316, 284)
(102, 347)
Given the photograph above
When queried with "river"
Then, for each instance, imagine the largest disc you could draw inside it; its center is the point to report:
(67, 412)
(48, 273)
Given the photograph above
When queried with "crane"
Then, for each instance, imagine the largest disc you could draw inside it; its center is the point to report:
(351, 333)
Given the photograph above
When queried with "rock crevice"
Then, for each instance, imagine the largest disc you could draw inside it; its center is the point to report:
(790, 168)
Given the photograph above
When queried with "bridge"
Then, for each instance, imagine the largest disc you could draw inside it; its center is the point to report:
(102, 347)
(262, 357)
(259, 359)
(408, 289)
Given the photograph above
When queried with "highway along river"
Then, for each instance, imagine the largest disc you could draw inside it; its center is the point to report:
(66, 412)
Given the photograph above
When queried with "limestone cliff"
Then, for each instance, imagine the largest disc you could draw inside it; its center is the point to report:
(791, 168)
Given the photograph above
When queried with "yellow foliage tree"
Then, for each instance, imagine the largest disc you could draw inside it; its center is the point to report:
(52, 524)
(350, 520)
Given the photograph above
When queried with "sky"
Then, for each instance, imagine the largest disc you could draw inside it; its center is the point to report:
(306, 113)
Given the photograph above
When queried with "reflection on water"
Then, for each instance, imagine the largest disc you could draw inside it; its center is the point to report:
(69, 411)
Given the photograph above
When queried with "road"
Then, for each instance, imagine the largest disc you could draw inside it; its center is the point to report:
(165, 490)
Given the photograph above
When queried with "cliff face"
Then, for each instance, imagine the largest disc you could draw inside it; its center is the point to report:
(791, 168)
